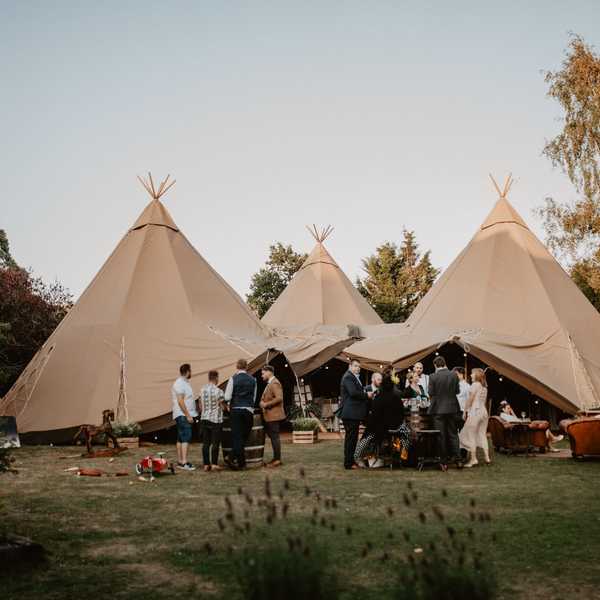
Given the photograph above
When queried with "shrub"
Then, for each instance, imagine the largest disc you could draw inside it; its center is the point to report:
(305, 424)
(446, 577)
(124, 430)
(6, 460)
(298, 411)
(297, 571)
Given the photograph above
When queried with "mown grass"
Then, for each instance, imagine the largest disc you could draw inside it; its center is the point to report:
(122, 538)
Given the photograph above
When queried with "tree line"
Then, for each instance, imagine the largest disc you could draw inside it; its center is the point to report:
(395, 279)
(396, 276)
(30, 310)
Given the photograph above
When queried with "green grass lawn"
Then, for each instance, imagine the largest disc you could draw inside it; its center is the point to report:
(122, 538)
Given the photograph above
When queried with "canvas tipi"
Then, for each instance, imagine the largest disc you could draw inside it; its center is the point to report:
(320, 294)
(155, 303)
(508, 302)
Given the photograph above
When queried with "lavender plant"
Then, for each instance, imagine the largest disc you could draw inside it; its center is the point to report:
(285, 548)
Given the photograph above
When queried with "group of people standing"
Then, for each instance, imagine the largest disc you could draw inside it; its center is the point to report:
(213, 405)
(457, 409)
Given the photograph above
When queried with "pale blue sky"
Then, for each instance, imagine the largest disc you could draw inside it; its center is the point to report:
(371, 116)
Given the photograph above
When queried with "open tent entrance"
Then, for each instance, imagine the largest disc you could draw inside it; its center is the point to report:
(500, 386)
(322, 386)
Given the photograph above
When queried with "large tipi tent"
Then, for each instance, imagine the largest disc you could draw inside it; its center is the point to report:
(155, 302)
(320, 293)
(508, 302)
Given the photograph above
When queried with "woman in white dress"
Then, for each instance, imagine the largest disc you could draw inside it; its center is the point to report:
(474, 434)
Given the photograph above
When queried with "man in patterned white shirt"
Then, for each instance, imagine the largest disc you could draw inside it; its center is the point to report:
(211, 403)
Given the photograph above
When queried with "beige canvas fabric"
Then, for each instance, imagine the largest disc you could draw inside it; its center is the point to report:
(307, 348)
(171, 307)
(320, 294)
(510, 303)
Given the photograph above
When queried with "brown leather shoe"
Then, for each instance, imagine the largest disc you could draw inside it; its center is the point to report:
(273, 464)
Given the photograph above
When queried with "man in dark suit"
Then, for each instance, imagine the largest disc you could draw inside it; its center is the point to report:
(354, 409)
(444, 408)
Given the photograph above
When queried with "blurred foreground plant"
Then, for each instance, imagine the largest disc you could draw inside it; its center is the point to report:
(428, 557)
(297, 571)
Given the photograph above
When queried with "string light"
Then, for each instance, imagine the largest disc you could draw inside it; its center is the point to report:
(500, 378)
(326, 367)
(286, 365)
(465, 354)
(437, 353)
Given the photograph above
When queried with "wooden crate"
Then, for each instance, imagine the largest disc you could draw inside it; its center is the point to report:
(128, 442)
(305, 437)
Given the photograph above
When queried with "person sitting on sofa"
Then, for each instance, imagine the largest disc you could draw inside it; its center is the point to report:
(508, 414)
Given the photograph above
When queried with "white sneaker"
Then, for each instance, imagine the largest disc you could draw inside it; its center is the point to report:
(376, 463)
(186, 467)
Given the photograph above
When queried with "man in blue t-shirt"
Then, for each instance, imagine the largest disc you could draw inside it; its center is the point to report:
(184, 411)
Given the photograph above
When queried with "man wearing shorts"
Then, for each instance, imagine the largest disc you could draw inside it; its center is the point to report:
(184, 411)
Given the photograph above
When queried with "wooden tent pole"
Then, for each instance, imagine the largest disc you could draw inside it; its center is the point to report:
(144, 184)
(152, 185)
(164, 187)
(495, 185)
(168, 187)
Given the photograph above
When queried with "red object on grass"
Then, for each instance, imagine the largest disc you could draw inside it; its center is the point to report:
(154, 464)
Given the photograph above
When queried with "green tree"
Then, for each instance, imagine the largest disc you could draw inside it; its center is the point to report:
(268, 283)
(30, 310)
(573, 228)
(396, 278)
(6, 259)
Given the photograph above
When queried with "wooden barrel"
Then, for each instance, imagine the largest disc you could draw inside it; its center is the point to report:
(255, 444)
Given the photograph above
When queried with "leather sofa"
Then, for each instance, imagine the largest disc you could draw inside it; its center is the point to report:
(584, 435)
(512, 437)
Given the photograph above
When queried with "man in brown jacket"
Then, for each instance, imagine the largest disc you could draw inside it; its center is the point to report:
(273, 411)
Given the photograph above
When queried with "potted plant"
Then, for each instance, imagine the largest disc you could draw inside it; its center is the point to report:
(305, 430)
(127, 434)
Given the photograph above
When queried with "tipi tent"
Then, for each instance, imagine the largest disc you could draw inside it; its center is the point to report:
(320, 294)
(155, 303)
(508, 302)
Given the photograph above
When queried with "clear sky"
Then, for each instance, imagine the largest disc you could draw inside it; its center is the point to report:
(371, 116)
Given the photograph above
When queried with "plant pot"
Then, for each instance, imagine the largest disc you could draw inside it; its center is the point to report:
(126, 442)
(305, 437)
